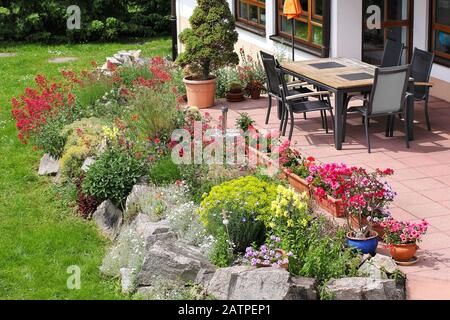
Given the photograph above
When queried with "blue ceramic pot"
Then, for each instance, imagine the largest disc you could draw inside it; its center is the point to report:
(368, 245)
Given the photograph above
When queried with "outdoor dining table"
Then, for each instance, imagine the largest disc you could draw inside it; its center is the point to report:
(342, 76)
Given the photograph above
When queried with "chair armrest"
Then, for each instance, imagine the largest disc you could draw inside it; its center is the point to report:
(296, 84)
(423, 84)
(309, 94)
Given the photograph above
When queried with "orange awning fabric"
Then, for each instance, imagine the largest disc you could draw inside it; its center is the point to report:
(292, 9)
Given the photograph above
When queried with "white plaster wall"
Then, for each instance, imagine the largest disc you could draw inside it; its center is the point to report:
(346, 28)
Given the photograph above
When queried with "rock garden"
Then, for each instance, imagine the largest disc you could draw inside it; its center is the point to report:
(206, 231)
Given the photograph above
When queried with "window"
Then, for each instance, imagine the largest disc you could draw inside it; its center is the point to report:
(396, 24)
(251, 13)
(440, 31)
(311, 28)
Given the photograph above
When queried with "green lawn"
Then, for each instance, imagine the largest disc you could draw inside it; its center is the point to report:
(40, 234)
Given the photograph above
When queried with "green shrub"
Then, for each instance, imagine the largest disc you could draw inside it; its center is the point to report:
(221, 254)
(100, 20)
(49, 137)
(240, 203)
(164, 172)
(113, 175)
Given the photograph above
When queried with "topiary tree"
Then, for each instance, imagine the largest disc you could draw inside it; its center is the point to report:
(210, 40)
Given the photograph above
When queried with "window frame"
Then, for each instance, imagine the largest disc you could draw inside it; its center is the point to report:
(440, 57)
(311, 19)
(247, 24)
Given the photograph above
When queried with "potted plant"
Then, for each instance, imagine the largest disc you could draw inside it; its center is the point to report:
(295, 167)
(374, 193)
(235, 93)
(329, 182)
(252, 74)
(209, 46)
(402, 238)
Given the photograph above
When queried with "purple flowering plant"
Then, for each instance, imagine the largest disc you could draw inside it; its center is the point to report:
(268, 255)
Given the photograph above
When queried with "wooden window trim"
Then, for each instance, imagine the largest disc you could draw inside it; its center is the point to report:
(320, 50)
(440, 57)
(255, 27)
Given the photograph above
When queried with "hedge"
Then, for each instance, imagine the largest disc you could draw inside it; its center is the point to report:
(101, 20)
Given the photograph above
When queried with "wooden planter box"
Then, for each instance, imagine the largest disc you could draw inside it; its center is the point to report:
(334, 206)
(296, 182)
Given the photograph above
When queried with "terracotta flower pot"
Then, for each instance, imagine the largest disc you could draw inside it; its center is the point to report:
(235, 97)
(334, 206)
(297, 182)
(402, 252)
(200, 93)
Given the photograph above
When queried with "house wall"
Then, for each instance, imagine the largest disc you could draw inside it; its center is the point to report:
(345, 37)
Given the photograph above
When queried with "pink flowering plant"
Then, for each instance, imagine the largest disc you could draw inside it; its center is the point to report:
(402, 232)
(268, 255)
(367, 198)
(330, 179)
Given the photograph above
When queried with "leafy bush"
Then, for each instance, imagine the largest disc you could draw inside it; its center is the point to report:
(113, 175)
(235, 207)
(102, 20)
(164, 172)
(221, 253)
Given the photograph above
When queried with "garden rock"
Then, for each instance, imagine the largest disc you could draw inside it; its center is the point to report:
(368, 269)
(49, 166)
(384, 263)
(365, 289)
(7, 54)
(174, 262)
(127, 279)
(87, 163)
(109, 218)
(132, 204)
(249, 283)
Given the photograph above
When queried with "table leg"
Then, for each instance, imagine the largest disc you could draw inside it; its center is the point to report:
(339, 106)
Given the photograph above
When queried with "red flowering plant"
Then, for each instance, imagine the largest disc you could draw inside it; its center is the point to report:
(41, 112)
(399, 232)
(294, 161)
(251, 73)
(366, 199)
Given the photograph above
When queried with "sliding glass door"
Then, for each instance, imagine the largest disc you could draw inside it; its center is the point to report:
(395, 22)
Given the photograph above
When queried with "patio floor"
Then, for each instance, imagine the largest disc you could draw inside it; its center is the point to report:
(421, 179)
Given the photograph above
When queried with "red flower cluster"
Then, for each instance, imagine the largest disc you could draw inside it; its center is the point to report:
(33, 108)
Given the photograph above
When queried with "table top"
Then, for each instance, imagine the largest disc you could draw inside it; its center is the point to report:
(338, 73)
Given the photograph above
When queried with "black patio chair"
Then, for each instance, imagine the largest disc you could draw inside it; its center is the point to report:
(421, 65)
(273, 85)
(297, 103)
(392, 57)
(387, 99)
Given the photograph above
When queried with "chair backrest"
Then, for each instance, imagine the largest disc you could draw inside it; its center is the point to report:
(270, 65)
(389, 90)
(392, 55)
(281, 77)
(421, 65)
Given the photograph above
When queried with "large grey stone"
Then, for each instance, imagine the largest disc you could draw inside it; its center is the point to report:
(49, 166)
(365, 289)
(385, 263)
(249, 283)
(109, 218)
(173, 261)
(368, 269)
